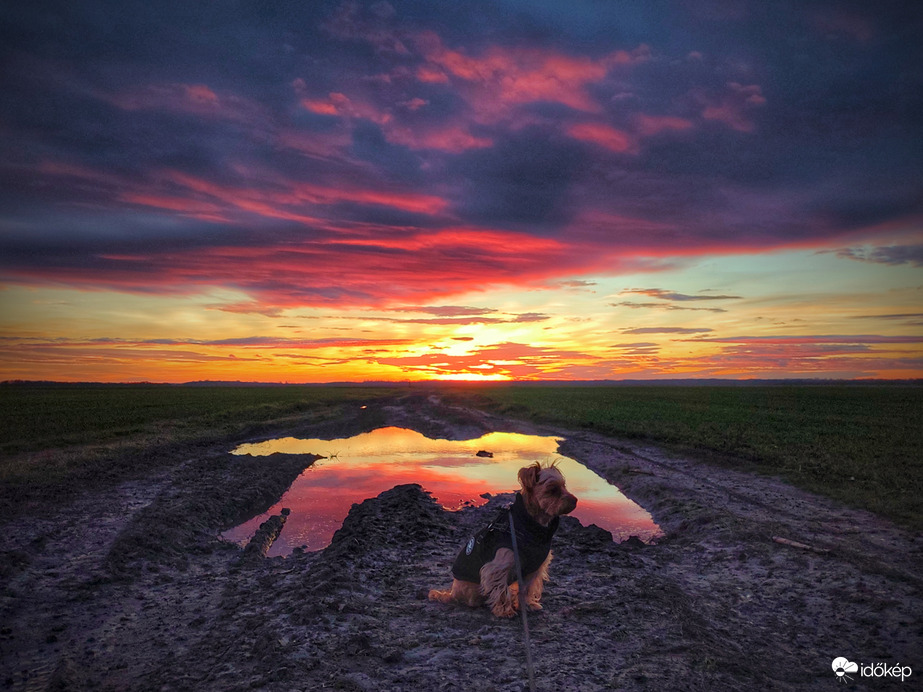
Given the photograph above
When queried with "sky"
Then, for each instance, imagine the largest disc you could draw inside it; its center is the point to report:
(416, 190)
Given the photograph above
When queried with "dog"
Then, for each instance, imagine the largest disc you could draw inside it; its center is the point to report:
(485, 568)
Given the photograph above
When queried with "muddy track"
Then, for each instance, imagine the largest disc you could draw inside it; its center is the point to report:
(129, 588)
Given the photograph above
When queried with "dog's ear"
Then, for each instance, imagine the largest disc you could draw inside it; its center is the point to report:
(528, 476)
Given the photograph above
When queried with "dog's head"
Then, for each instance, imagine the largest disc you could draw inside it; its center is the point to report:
(545, 493)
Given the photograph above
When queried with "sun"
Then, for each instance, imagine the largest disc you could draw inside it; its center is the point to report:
(472, 377)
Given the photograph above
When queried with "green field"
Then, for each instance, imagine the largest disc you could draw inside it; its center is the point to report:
(58, 439)
(860, 444)
(40, 417)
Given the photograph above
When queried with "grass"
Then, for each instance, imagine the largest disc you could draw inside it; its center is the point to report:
(862, 445)
(54, 438)
(859, 444)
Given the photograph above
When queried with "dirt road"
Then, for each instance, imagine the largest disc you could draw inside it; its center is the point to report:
(130, 589)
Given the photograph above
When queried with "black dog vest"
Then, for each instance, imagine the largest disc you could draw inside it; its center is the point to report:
(532, 539)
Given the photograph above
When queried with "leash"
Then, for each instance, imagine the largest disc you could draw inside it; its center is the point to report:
(522, 608)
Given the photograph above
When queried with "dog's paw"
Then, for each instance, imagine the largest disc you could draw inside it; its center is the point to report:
(534, 605)
(504, 610)
(440, 596)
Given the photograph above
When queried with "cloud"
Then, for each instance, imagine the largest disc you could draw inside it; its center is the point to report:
(447, 310)
(524, 181)
(641, 349)
(837, 23)
(576, 284)
(192, 99)
(602, 135)
(667, 330)
(240, 342)
(390, 154)
(816, 339)
(638, 306)
(651, 125)
(735, 106)
(367, 267)
(671, 295)
(835, 356)
(459, 315)
(893, 255)
(500, 78)
(662, 306)
(509, 360)
(899, 316)
(912, 319)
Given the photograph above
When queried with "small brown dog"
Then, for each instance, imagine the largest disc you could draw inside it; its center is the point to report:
(485, 569)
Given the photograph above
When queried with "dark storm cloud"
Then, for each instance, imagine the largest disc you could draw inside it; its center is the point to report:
(211, 142)
(522, 180)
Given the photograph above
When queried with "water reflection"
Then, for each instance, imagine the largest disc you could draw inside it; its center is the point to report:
(363, 466)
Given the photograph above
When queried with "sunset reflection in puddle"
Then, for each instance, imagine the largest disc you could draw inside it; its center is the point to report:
(363, 466)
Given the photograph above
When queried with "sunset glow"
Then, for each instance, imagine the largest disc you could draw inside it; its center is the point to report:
(349, 191)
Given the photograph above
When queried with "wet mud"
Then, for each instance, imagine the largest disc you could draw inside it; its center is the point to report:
(131, 589)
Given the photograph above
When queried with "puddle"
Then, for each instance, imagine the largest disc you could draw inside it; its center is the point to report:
(363, 466)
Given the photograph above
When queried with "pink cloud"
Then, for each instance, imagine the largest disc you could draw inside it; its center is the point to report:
(407, 201)
(339, 104)
(493, 83)
(196, 99)
(182, 205)
(450, 138)
(734, 107)
(603, 135)
(627, 141)
(650, 125)
(500, 78)
(320, 106)
(380, 268)
(431, 74)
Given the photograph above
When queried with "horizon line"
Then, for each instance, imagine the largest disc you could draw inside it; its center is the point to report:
(455, 383)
